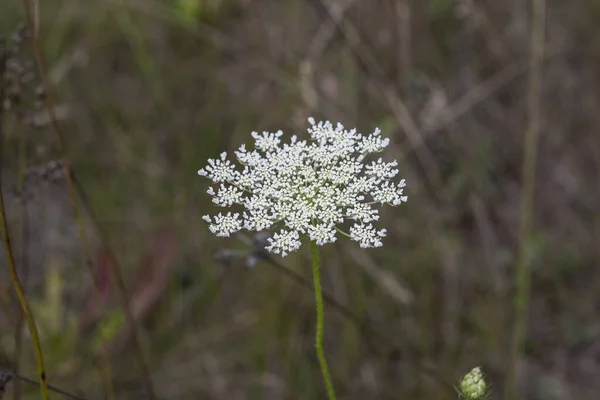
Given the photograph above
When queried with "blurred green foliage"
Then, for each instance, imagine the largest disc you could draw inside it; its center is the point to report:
(155, 88)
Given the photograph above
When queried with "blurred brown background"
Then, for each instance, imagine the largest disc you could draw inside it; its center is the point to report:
(146, 91)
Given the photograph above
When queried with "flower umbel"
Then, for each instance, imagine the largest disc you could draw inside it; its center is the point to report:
(472, 386)
(306, 187)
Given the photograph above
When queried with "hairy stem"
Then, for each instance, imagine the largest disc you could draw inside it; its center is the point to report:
(320, 320)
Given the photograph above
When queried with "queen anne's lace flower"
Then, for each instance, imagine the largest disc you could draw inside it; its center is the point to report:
(306, 187)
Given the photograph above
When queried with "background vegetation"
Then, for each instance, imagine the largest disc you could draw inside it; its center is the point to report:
(146, 91)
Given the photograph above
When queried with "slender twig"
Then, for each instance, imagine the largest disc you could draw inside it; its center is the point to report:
(402, 12)
(4, 380)
(84, 243)
(24, 245)
(14, 277)
(320, 321)
(368, 62)
(523, 278)
(11, 375)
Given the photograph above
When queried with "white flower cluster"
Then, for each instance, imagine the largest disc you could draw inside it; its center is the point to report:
(306, 187)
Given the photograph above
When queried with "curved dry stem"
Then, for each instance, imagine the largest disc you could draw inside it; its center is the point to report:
(14, 278)
(24, 247)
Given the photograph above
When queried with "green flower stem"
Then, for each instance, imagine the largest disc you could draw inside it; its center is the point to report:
(320, 319)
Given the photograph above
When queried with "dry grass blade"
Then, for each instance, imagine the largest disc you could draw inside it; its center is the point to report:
(326, 31)
(368, 62)
(153, 273)
(122, 288)
(90, 312)
(384, 278)
(480, 93)
(149, 286)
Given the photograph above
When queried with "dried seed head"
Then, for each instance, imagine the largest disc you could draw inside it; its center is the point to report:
(51, 172)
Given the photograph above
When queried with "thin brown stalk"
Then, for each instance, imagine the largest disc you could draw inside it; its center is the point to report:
(14, 276)
(16, 377)
(18, 288)
(24, 247)
(84, 243)
(523, 278)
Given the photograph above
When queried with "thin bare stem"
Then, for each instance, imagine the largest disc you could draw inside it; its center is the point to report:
(24, 246)
(523, 279)
(14, 278)
(16, 377)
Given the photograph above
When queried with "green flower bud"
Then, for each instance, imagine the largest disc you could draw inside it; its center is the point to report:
(473, 386)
